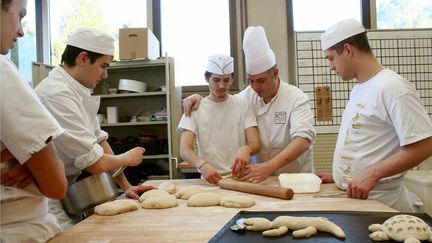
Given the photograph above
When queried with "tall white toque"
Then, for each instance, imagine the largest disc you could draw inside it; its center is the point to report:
(258, 54)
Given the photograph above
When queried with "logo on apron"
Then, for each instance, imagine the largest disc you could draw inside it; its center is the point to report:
(280, 117)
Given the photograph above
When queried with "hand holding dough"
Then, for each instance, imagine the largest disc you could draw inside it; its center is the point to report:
(159, 202)
(167, 186)
(204, 199)
(152, 193)
(236, 201)
(115, 207)
(187, 192)
(258, 224)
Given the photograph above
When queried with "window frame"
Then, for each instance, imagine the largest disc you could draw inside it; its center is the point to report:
(233, 43)
(238, 24)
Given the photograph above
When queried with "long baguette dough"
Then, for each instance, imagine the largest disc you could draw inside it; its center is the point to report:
(115, 207)
(236, 201)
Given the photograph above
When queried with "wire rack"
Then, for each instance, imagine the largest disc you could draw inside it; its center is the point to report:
(407, 52)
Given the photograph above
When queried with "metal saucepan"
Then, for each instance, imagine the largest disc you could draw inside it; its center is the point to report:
(83, 195)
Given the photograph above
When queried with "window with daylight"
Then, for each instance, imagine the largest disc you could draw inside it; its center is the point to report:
(191, 31)
(106, 15)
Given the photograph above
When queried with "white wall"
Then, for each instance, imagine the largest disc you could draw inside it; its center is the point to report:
(271, 15)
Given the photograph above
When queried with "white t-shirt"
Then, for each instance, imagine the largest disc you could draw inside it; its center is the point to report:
(76, 110)
(220, 129)
(287, 116)
(26, 127)
(382, 115)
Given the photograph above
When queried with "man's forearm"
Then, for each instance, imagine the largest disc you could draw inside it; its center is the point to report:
(189, 155)
(406, 158)
(290, 153)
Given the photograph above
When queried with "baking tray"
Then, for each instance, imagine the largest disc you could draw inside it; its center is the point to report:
(354, 224)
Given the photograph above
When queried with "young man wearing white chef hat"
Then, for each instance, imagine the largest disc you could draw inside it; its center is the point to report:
(285, 120)
(385, 129)
(66, 92)
(223, 125)
(31, 170)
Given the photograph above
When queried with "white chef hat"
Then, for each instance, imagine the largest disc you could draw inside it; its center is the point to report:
(258, 54)
(91, 39)
(339, 32)
(220, 64)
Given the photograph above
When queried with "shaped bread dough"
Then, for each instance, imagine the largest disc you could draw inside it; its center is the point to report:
(189, 191)
(258, 224)
(204, 199)
(236, 201)
(276, 232)
(152, 193)
(167, 186)
(116, 207)
(400, 228)
(305, 233)
(159, 202)
(297, 223)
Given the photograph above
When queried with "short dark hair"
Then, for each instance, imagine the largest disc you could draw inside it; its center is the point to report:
(270, 70)
(71, 52)
(5, 4)
(208, 74)
(360, 41)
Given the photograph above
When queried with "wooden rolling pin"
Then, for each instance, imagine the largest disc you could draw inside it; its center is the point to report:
(265, 190)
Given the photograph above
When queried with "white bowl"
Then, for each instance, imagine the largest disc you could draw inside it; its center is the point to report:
(300, 182)
(132, 85)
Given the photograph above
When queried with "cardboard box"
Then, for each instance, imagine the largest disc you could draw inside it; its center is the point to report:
(138, 43)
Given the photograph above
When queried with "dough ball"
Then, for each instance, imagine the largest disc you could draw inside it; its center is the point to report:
(258, 224)
(236, 201)
(204, 199)
(116, 207)
(189, 191)
(152, 193)
(276, 232)
(159, 202)
(167, 186)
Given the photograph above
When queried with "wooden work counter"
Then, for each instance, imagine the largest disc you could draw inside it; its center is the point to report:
(199, 224)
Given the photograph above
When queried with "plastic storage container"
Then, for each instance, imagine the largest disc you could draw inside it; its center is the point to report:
(420, 183)
(300, 182)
